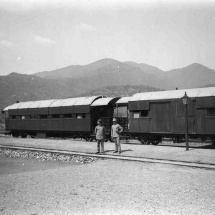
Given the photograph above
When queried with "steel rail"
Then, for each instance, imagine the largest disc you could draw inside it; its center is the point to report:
(117, 157)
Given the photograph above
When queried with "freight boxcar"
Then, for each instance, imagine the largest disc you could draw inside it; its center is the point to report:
(73, 117)
(154, 115)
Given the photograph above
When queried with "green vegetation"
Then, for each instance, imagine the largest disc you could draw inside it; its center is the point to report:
(121, 91)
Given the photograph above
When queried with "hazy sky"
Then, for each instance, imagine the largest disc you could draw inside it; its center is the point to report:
(43, 35)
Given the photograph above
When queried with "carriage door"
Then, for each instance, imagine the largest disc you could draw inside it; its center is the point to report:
(178, 117)
(161, 117)
(106, 114)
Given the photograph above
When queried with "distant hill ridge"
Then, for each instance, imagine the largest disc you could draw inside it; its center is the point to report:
(194, 75)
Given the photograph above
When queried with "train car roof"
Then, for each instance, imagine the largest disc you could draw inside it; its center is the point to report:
(40, 104)
(124, 100)
(53, 103)
(104, 101)
(174, 94)
(75, 101)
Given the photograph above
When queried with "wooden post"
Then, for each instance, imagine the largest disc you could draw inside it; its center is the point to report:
(186, 127)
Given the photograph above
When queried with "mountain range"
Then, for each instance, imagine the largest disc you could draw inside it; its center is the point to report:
(191, 76)
(106, 76)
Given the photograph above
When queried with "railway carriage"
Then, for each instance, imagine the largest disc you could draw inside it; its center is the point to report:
(73, 117)
(154, 115)
(148, 117)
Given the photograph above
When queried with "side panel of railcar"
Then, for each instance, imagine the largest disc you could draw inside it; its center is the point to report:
(167, 117)
(77, 125)
(147, 117)
(178, 117)
(205, 108)
(79, 121)
(160, 113)
(59, 119)
(139, 116)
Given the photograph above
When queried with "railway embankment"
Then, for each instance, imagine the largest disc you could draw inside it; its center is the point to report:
(167, 153)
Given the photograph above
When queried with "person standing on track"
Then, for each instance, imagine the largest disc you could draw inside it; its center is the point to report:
(116, 130)
(100, 136)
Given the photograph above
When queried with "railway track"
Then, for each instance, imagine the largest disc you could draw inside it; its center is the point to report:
(193, 143)
(118, 157)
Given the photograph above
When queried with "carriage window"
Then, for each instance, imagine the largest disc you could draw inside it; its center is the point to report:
(23, 117)
(32, 117)
(55, 116)
(144, 113)
(211, 112)
(67, 116)
(12, 117)
(136, 114)
(43, 116)
(120, 111)
(80, 115)
(27, 117)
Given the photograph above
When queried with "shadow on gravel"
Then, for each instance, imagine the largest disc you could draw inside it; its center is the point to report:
(207, 147)
(127, 150)
(129, 143)
(190, 146)
(109, 150)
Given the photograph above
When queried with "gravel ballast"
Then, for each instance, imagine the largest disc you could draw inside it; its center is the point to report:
(46, 156)
(107, 187)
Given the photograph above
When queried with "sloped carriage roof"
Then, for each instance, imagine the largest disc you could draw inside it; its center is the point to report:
(174, 94)
(103, 101)
(123, 100)
(54, 103)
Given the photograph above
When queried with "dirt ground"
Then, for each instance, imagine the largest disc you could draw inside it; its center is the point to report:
(31, 187)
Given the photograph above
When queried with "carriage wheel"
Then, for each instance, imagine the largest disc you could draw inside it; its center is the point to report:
(174, 140)
(203, 138)
(155, 142)
(14, 134)
(148, 141)
(213, 141)
(140, 138)
(24, 135)
(177, 140)
(143, 141)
